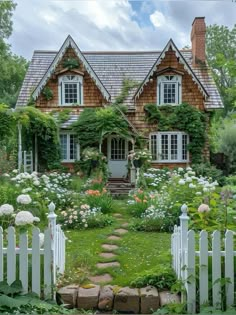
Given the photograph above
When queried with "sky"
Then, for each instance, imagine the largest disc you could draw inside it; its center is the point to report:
(112, 24)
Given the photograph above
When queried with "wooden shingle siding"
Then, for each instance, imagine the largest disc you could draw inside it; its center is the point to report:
(92, 95)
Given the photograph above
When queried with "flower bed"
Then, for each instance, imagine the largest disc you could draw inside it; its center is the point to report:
(158, 207)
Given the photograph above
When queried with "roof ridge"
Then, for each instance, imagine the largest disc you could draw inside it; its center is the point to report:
(111, 52)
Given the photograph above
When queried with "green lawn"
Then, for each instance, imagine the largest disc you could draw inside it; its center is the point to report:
(138, 251)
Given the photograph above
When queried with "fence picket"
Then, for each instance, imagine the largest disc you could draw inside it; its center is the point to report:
(47, 264)
(11, 255)
(229, 268)
(23, 243)
(216, 269)
(191, 277)
(36, 261)
(1, 255)
(203, 269)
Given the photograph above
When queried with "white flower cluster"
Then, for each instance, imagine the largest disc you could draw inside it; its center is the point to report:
(24, 199)
(25, 218)
(6, 209)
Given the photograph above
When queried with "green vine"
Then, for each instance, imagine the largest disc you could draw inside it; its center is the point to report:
(47, 93)
(183, 117)
(61, 116)
(71, 63)
(127, 85)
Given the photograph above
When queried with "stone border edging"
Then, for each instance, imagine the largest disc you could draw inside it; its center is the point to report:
(108, 298)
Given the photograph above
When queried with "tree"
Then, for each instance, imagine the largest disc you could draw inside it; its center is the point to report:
(12, 67)
(221, 56)
(6, 11)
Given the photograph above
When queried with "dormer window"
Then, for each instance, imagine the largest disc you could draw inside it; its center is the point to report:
(169, 90)
(71, 90)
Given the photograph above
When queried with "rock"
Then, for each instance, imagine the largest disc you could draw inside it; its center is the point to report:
(149, 300)
(108, 264)
(125, 225)
(88, 298)
(121, 231)
(167, 297)
(127, 300)
(110, 247)
(106, 298)
(107, 255)
(114, 238)
(106, 277)
(69, 295)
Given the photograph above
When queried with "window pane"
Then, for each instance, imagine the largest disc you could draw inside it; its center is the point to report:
(72, 147)
(164, 147)
(154, 147)
(169, 93)
(184, 147)
(71, 95)
(63, 142)
(174, 147)
(117, 149)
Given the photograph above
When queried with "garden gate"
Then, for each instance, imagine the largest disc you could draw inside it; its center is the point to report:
(213, 278)
(36, 267)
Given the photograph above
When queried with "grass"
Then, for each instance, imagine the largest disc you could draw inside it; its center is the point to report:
(137, 252)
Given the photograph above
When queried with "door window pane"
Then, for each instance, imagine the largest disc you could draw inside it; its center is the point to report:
(117, 149)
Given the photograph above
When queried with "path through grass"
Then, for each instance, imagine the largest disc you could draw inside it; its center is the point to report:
(138, 251)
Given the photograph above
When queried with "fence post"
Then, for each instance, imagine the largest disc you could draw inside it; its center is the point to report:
(52, 221)
(184, 218)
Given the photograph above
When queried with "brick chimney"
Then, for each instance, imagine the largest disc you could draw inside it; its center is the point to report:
(198, 40)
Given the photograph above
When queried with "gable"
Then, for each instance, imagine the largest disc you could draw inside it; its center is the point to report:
(171, 47)
(69, 43)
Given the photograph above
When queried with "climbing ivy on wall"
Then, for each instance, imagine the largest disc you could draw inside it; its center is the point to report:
(183, 117)
(43, 125)
(127, 85)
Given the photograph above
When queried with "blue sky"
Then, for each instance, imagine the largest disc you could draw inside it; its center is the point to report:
(112, 24)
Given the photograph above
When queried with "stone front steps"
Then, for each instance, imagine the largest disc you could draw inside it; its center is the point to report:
(119, 187)
(114, 298)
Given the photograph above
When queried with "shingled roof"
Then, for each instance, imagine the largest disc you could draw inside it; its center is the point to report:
(112, 68)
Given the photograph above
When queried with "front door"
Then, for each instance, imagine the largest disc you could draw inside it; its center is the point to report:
(117, 157)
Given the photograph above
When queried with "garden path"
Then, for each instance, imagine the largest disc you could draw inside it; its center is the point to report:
(108, 256)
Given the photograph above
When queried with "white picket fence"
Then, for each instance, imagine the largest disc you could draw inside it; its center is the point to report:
(37, 267)
(186, 259)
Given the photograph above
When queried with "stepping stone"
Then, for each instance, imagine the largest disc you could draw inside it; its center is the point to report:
(114, 238)
(107, 255)
(109, 246)
(121, 231)
(108, 264)
(117, 215)
(101, 278)
(124, 225)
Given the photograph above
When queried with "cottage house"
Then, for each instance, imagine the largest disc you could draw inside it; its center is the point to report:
(168, 77)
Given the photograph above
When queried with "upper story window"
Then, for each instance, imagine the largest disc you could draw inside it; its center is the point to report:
(71, 90)
(169, 90)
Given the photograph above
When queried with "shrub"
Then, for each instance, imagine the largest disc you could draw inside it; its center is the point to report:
(210, 171)
(163, 278)
(99, 199)
(228, 146)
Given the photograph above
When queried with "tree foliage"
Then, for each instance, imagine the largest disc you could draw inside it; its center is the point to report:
(221, 56)
(6, 11)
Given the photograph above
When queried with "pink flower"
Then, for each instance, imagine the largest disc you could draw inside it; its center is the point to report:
(203, 208)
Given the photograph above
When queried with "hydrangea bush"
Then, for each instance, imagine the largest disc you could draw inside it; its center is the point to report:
(159, 206)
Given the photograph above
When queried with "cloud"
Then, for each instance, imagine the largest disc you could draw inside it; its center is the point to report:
(110, 25)
(157, 19)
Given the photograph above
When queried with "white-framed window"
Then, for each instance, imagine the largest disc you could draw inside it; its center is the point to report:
(168, 147)
(70, 90)
(69, 147)
(169, 90)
